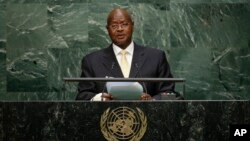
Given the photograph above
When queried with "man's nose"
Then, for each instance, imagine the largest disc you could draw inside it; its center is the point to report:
(120, 27)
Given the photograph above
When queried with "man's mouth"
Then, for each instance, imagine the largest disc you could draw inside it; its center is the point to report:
(120, 36)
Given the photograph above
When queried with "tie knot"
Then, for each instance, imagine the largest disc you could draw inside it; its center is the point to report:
(124, 52)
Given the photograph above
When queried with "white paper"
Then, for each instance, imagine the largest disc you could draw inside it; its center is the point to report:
(125, 90)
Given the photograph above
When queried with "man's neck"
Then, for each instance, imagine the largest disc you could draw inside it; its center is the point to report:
(123, 47)
(129, 48)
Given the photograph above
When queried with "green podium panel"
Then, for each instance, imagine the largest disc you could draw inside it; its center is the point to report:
(146, 121)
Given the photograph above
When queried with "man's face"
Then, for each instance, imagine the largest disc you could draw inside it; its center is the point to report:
(120, 28)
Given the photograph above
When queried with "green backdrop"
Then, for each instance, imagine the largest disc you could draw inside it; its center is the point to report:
(206, 41)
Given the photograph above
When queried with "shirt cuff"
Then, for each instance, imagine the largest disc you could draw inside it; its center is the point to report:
(97, 97)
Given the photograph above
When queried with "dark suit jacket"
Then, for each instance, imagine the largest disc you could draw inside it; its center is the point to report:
(146, 62)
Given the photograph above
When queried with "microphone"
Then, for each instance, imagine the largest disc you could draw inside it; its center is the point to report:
(143, 83)
(113, 65)
(104, 85)
(104, 89)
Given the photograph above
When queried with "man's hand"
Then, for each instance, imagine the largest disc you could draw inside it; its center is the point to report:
(145, 96)
(106, 97)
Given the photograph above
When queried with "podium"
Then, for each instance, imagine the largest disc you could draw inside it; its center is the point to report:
(166, 120)
(121, 120)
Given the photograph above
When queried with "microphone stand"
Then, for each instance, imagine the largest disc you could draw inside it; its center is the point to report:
(143, 83)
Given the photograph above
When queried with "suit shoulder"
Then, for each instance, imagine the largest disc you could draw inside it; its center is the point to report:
(94, 54)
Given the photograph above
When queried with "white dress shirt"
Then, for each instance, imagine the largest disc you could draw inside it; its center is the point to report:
(117, 50)
(129, 55)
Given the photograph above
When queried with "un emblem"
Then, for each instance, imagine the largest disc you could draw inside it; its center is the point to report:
(123, 123)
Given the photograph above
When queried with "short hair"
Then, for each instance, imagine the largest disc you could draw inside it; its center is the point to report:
(119, 9)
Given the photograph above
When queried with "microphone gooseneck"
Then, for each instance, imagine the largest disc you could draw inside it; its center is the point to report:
(104, 86)
(113, 65)
(143, 83)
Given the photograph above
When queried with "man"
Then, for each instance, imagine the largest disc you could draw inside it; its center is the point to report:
(124, 58)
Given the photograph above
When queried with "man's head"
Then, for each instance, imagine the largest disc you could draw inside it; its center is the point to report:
(120, 27)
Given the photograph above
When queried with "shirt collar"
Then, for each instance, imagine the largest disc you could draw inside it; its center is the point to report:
(129, 49)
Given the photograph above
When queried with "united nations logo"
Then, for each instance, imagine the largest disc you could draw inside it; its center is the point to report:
(123, 123)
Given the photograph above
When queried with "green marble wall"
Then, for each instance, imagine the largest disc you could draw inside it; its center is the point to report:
(42, 41)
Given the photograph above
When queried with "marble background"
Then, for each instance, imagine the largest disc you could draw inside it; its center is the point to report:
(206, 41)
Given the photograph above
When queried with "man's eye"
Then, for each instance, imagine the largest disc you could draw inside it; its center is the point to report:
(125, 24)
(114, 26)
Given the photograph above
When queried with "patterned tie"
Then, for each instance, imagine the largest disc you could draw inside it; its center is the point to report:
(124, 64)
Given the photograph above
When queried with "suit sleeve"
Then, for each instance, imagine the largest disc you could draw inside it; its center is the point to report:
(164, 72)
(86, 90)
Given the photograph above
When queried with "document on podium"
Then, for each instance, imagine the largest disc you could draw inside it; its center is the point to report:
(125, 90)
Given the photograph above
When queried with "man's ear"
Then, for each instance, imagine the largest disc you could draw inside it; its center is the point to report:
(107, 27)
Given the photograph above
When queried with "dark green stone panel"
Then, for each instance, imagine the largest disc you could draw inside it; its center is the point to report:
(199, 75)
(69, 24)
(230, 1)
(190, 24)
(210, 49)
(29, 36)
(3, 22)
(2, 51)
(150, 1)
(151, 26)
(109, 1)
(185, 120)
(191, 1)
(59, 68)
(1, 122)
(27, 39)
(2, 70)
(44, 1)
(230, 36)
(190, 55)
(32, 96)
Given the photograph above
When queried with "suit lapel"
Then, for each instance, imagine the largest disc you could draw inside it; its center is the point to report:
(110, 62)
(137, 61)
